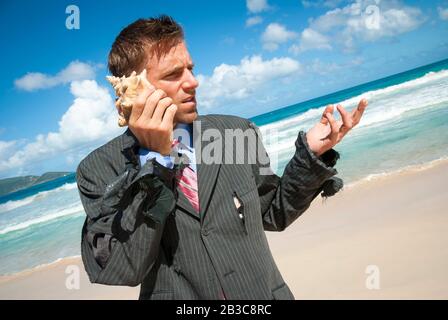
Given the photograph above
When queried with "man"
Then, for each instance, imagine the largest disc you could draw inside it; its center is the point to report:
(181, 226)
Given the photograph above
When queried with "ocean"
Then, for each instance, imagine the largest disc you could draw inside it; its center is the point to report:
(405, 127)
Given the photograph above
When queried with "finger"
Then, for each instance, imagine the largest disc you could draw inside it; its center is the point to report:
(333, 136)
(139, 105)
(151, 104)
(160, 109)
(347, 122)
(323, 119)
(357, 113)
(168, 117)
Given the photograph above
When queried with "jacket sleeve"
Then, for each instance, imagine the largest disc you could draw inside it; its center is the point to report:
(125, 218)
(283, 199)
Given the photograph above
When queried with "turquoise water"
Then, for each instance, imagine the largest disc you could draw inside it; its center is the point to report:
(345, 94)
(41, 227)
(405, 124)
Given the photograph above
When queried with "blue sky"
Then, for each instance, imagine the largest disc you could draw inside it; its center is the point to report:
(251, 57)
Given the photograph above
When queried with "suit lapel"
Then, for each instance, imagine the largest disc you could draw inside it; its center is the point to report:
(207, 173)
(185, 204)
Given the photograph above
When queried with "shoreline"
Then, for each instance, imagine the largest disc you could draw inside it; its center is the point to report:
(38, 268)
(375, 214)
(409, 169)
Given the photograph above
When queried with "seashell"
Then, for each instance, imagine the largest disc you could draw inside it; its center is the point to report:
(127, 90)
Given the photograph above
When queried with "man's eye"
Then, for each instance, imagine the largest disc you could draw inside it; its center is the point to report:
(173, 75)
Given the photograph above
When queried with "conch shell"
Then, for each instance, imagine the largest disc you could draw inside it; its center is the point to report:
(127, 90)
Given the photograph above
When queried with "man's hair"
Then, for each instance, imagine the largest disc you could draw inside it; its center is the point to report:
(141, 40)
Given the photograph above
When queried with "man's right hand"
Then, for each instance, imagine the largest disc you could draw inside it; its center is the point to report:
(152, 119)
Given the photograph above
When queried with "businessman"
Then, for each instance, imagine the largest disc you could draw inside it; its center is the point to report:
(160, 214)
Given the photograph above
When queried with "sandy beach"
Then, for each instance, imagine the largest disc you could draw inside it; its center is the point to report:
(394, 225)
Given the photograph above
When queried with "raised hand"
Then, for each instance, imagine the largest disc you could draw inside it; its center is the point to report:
(152, 120)
(328, 132)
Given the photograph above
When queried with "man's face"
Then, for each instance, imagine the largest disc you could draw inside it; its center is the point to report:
(173, 73)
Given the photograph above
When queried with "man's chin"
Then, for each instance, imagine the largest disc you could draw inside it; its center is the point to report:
(187, 118)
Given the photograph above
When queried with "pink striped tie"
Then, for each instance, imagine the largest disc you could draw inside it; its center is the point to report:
(188, 183)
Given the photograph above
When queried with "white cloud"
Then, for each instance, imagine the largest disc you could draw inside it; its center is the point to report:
(311, 39)
(6, 147)
(76, 70)
(443, 13)
(391, 22)
(252, 21)
(89, 121)
(237, 82)
(274, 35)
(361, 21)
(255, 6)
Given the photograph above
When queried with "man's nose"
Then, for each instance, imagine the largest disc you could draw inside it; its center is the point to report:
(190, 81)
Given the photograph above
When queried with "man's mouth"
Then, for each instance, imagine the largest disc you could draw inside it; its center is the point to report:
(190, 99)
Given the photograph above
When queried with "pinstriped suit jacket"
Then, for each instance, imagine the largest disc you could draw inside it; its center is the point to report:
(140, 229)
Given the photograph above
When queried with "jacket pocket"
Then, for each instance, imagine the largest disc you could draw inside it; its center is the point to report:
(240, 212)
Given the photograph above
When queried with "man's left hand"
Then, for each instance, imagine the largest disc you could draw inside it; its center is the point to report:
(328, 132)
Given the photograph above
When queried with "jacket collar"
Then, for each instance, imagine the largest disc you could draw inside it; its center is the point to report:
(130, 146)
(129, 139)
